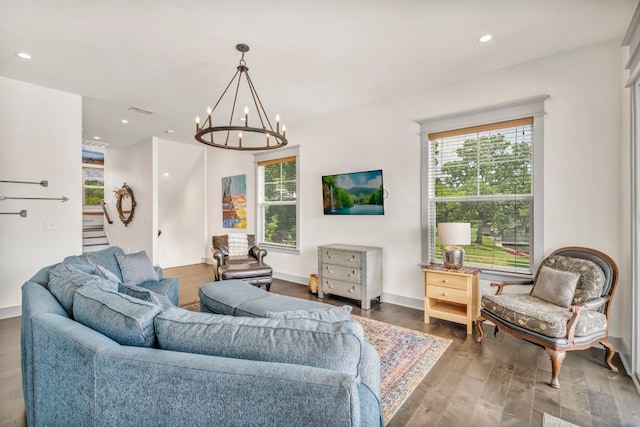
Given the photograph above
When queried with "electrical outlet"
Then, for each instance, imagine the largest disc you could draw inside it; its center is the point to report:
(49, 226)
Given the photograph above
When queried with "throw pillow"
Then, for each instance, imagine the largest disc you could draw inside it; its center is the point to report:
(238, 244)
(333, 314)
(335, 346)
(124, 319)
(555, 286)
(136, 268)
(65, 279)
(145, 295)
(107, 274)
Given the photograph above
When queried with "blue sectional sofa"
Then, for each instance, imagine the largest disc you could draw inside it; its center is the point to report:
(99, 350)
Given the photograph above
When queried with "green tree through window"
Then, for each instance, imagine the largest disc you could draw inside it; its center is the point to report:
(483, 175)
(277, 202)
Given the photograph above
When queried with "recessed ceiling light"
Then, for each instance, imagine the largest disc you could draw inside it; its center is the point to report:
(485, 38)
(125, 121)
(96, 137)
(23, 55)
(168, 131)
(166, 174)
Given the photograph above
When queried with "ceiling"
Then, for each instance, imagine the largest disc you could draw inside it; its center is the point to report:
(307, 58)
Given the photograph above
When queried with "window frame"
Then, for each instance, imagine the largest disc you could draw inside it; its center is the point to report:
(531, 107)
(267, 157)
(85, 187)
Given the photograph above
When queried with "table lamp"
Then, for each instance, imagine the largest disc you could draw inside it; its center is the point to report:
(451, 234)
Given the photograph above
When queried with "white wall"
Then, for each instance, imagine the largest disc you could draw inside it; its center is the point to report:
(136, 166)
(40, 139)
(182, 200)
(583, 167)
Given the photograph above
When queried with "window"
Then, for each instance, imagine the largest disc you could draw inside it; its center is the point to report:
(486, 174)
(277, 208)
(93, 186)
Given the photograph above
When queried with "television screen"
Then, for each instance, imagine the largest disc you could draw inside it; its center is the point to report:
(357, 193)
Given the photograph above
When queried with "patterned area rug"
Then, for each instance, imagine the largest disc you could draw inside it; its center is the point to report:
(406, 356)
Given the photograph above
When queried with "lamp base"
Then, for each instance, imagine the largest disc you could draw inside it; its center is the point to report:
(453, 257)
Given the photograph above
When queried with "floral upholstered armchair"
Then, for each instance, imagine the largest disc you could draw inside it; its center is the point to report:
(567, 308)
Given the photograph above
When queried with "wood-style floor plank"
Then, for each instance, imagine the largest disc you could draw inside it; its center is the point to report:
(501, 382)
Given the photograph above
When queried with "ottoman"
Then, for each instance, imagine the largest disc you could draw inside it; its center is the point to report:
(239, 298)
(258, 274)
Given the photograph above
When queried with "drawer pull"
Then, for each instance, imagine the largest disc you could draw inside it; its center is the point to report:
(352, 259)
(331, 286)
(445, 281)
(353, 273)
(444, 294)
(351, 290)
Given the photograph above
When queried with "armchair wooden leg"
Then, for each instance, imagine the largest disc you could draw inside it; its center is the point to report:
(479, 321)
(610, 351)
(556, 362)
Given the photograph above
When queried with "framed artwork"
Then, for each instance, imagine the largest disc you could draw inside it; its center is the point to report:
(234, 201)
(355, 193)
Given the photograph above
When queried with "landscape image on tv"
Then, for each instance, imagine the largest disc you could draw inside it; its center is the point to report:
(357, 193)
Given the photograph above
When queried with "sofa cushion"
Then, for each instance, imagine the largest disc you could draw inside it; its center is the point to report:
(65, 279)
(143, 294)
(332, 314)
(555, 286)
(124, 319)
(106, 258)
(105, 273)
(136, 268)
(540, 316)
(335, 346)
(80, 263)
(592, 278)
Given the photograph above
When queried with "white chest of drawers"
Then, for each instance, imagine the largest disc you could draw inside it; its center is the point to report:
(350, 271)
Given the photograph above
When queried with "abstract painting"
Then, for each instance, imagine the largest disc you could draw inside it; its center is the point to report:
(234, 201)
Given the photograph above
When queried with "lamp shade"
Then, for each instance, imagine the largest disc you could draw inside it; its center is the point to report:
(454, 233)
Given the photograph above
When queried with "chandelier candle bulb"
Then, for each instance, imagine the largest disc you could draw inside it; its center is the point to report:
(246, 116)
(277, 123)
(240, 138)
(284, 130)
(197, 123)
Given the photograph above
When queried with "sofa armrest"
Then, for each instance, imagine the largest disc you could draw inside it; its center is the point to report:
(218, 255)
(258, 253)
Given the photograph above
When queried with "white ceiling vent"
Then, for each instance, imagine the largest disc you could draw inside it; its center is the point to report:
(141, 110)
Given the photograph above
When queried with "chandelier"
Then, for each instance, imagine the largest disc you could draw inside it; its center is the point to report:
(241, 136)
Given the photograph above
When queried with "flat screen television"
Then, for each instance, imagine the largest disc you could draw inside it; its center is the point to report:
(356, 193)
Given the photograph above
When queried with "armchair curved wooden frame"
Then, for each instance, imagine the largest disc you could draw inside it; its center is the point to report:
(557, 348)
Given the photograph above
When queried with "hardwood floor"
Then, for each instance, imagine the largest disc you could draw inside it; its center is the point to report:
(501, 382)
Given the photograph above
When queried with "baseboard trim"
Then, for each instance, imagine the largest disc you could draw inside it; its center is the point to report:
(417, 303)
(291, 278)
(7, 312)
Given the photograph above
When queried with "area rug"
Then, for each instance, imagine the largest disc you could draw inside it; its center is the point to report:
(406, 356)
(551, 421)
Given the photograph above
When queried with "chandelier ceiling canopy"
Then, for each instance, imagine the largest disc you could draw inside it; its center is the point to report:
(248, 132)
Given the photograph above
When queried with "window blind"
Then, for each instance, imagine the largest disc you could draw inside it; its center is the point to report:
(277, 202)
(483, 175)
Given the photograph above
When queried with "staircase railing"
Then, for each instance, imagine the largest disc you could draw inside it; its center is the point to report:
(105, 209)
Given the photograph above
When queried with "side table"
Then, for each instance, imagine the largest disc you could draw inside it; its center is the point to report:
(451, 294)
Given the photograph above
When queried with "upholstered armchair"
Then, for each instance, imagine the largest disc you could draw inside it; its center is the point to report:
(236, 256)
(567, 308)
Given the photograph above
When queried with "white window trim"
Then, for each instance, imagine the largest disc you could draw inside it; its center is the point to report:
(293, 151)
(530, 107)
